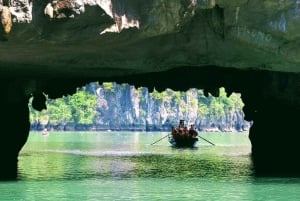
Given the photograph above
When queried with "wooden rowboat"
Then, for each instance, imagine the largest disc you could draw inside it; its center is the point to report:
(183, 137)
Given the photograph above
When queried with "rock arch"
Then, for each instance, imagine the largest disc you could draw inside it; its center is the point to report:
(236, 45)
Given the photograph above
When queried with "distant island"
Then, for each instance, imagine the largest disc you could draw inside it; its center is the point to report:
(122, 107)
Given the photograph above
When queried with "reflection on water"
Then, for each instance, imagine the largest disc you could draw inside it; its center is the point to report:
(130, 155)
(125, 166)
(76, 165)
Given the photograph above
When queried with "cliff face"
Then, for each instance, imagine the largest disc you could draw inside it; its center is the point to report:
(125, 107)
(113, 106)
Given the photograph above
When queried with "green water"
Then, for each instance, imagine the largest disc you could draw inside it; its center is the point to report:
(125, 166)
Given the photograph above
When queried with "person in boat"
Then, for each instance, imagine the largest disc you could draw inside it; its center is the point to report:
(185, 131)
(181, 123)
(192, 131)
(181, 126)
(178, 132)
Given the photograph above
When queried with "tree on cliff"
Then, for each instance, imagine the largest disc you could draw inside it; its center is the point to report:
(76, 109)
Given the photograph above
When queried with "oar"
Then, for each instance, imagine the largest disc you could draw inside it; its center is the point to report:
(206, 140)
(159, 139)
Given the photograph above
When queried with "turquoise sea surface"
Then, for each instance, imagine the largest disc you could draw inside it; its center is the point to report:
(125, 166)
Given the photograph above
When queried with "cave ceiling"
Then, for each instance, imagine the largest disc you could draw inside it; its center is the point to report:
(93, 39)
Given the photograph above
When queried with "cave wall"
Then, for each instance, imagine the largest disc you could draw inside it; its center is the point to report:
(14, 125)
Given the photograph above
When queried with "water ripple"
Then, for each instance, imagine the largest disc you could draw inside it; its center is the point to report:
(101, 153)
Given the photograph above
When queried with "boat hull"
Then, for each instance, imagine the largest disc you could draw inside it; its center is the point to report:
(183, 141)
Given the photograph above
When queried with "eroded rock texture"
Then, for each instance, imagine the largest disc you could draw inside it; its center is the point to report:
(251, 47)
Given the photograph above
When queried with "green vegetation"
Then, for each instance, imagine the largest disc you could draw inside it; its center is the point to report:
(86, 108)
(177, 97)
(159, 96)
(109, 86)
(78, 109)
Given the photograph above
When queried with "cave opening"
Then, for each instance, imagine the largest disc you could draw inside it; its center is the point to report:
(270, 101)
(223, 124)
(121, 106)
(113, 106)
